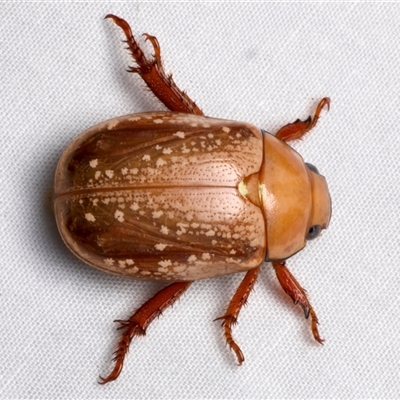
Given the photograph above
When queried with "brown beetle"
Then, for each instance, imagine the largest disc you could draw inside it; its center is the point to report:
(177, 196)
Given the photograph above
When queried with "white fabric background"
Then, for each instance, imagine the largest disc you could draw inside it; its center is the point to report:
(63, 70)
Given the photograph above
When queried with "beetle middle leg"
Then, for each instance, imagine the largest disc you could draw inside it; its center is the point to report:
(297, 129)
(298, 294)
(238, 300)
(136, 325)
(152, 72)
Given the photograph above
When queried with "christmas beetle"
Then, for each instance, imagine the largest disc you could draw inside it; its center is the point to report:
(176, 196)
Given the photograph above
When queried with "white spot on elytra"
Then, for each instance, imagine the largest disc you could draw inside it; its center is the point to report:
(95, 201)
(182, 226)
(194, 225)
(129, 261)
(185, 149)
(97, 174)
(94, 163)
(167, 150)
(90, 217)
(134, 119)
(109, 173)
(233, 261)
(124, 171)
(157, 214)
(205, 256)
(192, 258)
(189, 216)
(164, 230)
(160, 162)
(158, 147)
(210, 135)
(165, 263)
(210, 233)
(160, 246)
(134, 207)
(146, 157)
(180, 268)
(119, 216)
(180, 135)
(226, 129)
(112, 124)
(109, 261)
(158, 121)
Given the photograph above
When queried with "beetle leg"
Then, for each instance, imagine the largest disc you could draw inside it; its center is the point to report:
(238, 300)
(298, 294)
(136, 325)
(152, 72)
(297, 129)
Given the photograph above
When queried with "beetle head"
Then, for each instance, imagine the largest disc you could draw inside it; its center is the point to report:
(321, 203)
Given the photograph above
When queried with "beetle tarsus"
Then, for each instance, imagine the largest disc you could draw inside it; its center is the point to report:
(298, 295)
(137, 324)
(228, 322)
(152, 72)
(296, 130)
(238, 300)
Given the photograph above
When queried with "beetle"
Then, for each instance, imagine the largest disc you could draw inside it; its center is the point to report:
(176, 196)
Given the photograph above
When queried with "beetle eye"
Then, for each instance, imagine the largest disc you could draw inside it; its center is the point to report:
(312, 168)
(314, 232)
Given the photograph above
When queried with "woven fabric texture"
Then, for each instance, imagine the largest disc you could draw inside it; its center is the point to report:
(63, 70)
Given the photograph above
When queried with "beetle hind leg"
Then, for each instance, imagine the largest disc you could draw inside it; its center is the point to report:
(152, 72)
(298, 295)
(297, 129)
(136, 325)
(238, 300)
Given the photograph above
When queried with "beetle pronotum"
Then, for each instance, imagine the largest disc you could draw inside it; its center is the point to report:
(176, 196)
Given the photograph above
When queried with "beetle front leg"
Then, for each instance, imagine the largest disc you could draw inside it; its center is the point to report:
(297, 129)
(232, 313)
(137, 324)
(298, 294)
(152, 72)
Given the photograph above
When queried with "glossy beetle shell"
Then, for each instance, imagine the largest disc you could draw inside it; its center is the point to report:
(176, 196)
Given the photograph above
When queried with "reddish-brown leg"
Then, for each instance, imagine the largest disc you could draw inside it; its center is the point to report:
(152, 72)
(297, 129)
(298, 294)
(232, 313)
(137, 324)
